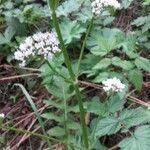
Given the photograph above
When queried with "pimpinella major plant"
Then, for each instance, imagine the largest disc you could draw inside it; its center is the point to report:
(103, 64)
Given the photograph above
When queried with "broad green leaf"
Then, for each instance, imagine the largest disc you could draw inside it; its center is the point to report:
(143, 63)
(126, 3)
(20, 29)
(89, 62)
(140, 21)
(124, 64)
(96, 107)
(139, 141)
(56, 131)
(104, 63)
(103, 41)
(71, 30)
(108, 20)
(129, 45)
(68, 7)
(115, 103)
(136, 78)
(3, 40)
(9, 33)
(101, 77)
(133, 117)
(144, 22)
(107, 126)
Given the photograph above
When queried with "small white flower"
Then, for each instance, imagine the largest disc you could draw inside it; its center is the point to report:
(99, 5)
(42, 44)
(113, 84)
(2, 115)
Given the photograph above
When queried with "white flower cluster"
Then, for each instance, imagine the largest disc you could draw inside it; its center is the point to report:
(98, 5)
(2, 115)
(42, 44)
(113, 84)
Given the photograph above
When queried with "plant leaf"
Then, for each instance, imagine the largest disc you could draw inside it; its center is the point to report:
(107, 126)
(136, 78)
(143, 63)
(124, 64)
(95, 106)
(115, 103)
(71, 30)
(103, 41)
(140, 140)
(134, 117)
(104, 63)
(56, 131)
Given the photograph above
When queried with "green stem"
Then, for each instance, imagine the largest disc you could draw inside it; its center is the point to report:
(83, 45)
(82, 116)
(73, 78)
(64, 50)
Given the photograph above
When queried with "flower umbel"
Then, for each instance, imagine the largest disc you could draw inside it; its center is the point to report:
(98, 5)
(2, 115)
(113, 84)
(41, 44)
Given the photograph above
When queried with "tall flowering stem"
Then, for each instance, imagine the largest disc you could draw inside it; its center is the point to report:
(83, 45)
(72, 75)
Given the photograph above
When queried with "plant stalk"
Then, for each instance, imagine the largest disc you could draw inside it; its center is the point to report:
(83, 45)
(73, 78)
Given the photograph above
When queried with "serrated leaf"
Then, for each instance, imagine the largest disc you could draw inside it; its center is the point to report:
(9, 33)
(134, 117)
(107, 126)
(126, 3)
(104, 63)
(124, 64)
(3, 39)
(140, 140)
(136, 78)
(101, 77)
(108, 20)
(129, 45)
(96, 107)
(71, 30)
(143, 63)
(56, 131)
(115, 103)
(68, 7)
(139, 21)
(103, 41)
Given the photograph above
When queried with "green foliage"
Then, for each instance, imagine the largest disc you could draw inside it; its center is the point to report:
(124, 64)
(142, 63)
(109, 125)
(103, 41)
(126, 3)
(143, 22)
(110, 52)
(136, 77)
(126, 119)
(8, 34)
(71, 30)
(138, 141)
